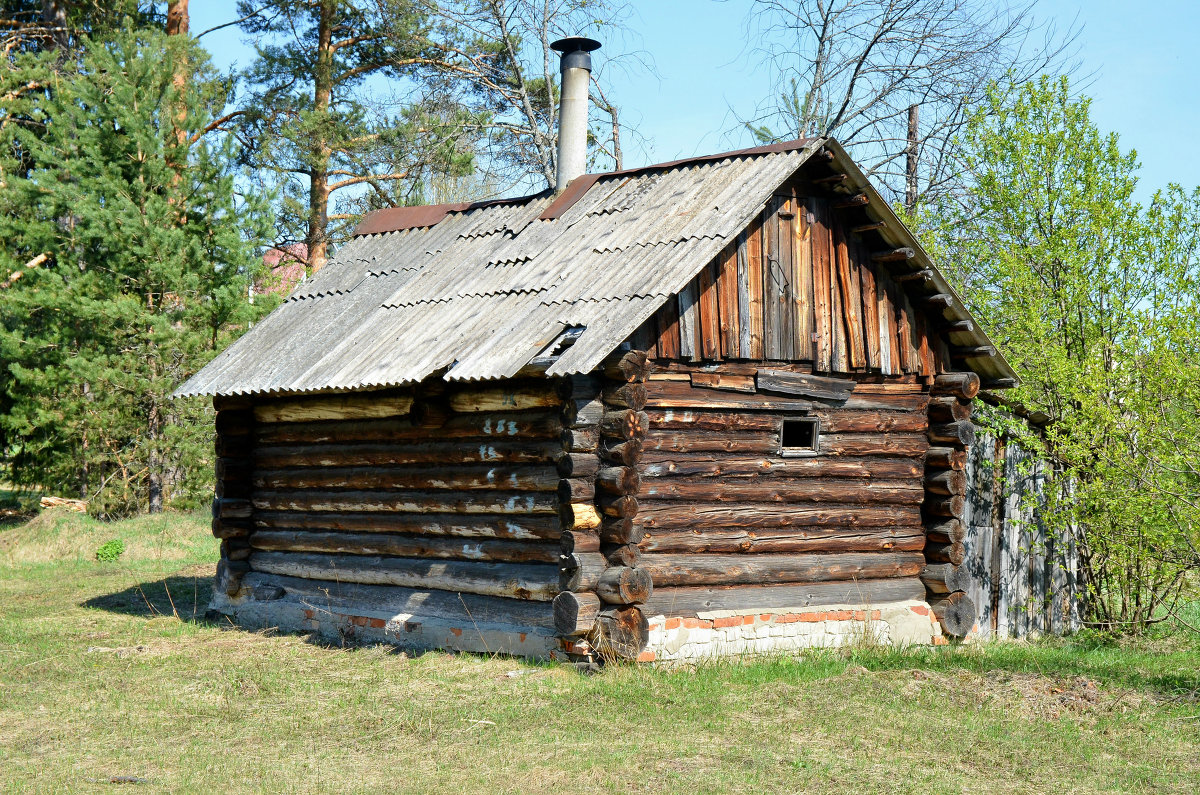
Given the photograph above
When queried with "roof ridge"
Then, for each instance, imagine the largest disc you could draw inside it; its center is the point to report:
(582, 184)
(396, 219)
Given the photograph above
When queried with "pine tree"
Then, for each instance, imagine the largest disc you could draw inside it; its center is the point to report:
(124, 272)
(320, 134)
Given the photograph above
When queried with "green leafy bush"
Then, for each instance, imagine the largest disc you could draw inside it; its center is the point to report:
(109, 552)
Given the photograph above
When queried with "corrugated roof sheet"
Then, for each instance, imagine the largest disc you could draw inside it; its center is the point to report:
(484, 289)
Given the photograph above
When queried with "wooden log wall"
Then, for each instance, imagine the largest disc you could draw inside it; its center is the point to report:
(731, 522)
(441, 489)
(602, 583)
(805, 284)
(231, 508)
(946, 580)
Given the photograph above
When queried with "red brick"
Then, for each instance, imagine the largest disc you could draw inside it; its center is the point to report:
(787, 618)
(378, 623)
(308, 614)
(938, 640)
(728, 621)
(875, 615)
(522, 636)
(810, 618)
(765, 617)
(456, 632)
(646, 656)
(860, 615)
(358, 621)
(672, 623)
(920, 610)
(748, 620)
(574, 647)
(692, 623)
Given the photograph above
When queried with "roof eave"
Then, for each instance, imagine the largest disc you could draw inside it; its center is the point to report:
(898, 235)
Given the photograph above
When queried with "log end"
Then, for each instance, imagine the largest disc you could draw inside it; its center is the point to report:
(624, 585)
(620, 633)
(956, 613)
(575, 613)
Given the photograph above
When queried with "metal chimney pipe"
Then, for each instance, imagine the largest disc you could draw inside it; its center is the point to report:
(576, 68)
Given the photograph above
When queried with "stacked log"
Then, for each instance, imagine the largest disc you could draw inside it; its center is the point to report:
(601, 582)
(733, 522)
(439, 492)
(950, 433)
(232, 512)
(576, 607)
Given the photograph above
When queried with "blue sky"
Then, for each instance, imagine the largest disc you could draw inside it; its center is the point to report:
(1143, 61)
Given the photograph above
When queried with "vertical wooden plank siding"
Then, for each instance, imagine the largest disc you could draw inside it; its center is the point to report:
(908, 335)
(668, 329)
(802, 282)
(688, 349)
(754, 289)
(743, 296)
(646, 338)
(784, 249)
(822, 298)
(840, 360)
(772, 282)
(887, 337)
(921, 343)
(850, 299)
(797, 285)
(898, 357)
(870, 308)
(727, 298)
(941, 354)
(710, 322)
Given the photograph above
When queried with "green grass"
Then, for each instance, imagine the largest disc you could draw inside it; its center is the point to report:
(106, 669)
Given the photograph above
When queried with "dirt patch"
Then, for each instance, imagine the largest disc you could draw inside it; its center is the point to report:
(1030, 695)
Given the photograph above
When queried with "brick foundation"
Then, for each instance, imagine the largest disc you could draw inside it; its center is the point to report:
(729, 634)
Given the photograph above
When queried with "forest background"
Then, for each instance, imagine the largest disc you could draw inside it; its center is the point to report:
(143, 179)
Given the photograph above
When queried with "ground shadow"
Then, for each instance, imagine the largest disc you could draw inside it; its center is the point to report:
(187, 598)
(182, 597)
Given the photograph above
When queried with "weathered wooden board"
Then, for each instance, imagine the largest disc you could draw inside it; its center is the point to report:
(749, 515)
(801, 539)
(770, 569)
(409, 603)
(475, 478)
(512, 427)
(333, 407)
(405, 546)
(706, 466)
(690, 601)
(1023, 575)
(511, 580)
(532, 527)
(407, 502)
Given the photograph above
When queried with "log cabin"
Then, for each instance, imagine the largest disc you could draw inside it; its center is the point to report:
(713, 406)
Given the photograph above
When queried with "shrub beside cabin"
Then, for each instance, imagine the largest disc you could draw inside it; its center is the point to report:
(708, 407)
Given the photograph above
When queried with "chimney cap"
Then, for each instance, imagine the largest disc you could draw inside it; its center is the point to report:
(575, 44)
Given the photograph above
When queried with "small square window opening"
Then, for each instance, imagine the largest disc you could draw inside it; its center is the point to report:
(800, 435)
